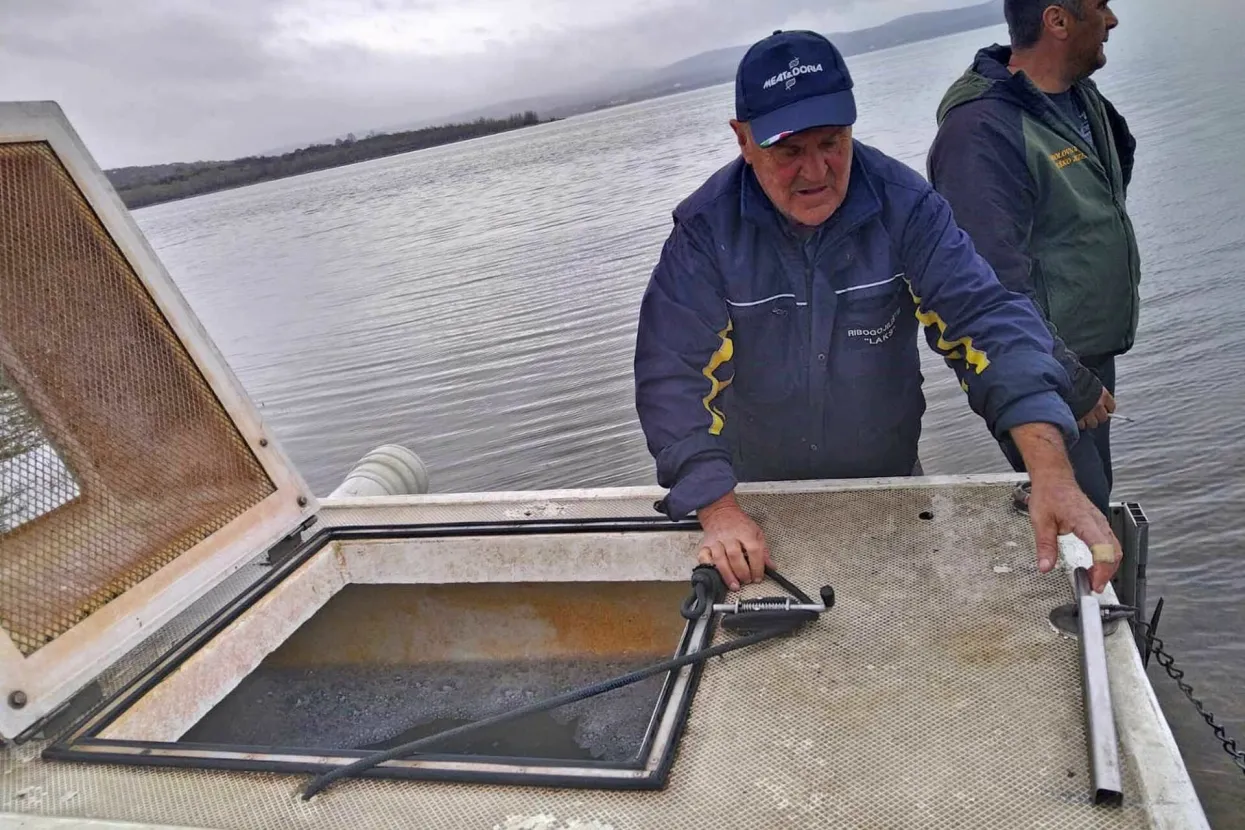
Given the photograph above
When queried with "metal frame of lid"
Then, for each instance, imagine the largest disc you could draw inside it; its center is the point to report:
(34, 684)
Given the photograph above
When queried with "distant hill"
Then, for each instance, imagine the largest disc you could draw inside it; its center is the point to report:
(718, 66)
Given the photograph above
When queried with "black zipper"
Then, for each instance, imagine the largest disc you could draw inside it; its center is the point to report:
(1117, 195)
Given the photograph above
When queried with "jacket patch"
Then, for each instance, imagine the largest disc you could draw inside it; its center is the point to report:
(877, 336)
(1067, 157)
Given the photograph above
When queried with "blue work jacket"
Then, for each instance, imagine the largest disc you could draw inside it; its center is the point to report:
(765, 355)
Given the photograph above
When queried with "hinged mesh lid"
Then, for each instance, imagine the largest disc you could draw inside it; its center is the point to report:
(134, 471)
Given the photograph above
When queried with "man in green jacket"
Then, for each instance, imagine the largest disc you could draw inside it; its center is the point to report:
(1036, 163)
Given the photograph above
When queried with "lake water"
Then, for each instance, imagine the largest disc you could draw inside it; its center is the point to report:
(477, 303)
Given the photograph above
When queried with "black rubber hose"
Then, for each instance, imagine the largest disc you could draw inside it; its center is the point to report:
(707, 588)
(750, 621)
(574, 696)
(790, 586)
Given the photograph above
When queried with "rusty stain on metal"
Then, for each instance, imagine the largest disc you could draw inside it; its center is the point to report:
(410, 624)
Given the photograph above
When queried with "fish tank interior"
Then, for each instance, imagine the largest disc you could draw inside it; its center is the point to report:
(382, 665)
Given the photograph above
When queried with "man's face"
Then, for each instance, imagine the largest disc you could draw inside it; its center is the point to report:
(1087, 36)
(805, 175)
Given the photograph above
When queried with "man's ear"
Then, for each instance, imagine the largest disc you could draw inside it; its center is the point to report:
(1055, 20)
(743, 135)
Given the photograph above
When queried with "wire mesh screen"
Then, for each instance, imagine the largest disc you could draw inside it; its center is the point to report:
(117, 456)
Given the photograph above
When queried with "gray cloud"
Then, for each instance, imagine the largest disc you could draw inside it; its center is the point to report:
(166, 80)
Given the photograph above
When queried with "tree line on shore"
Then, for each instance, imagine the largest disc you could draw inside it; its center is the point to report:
(149, 185)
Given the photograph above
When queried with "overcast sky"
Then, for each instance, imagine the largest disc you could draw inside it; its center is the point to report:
(147, 81)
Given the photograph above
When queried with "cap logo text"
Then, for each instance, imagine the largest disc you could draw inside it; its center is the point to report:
(794, 70)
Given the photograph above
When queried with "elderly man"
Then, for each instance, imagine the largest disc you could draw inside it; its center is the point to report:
(1035, 163)
(777, 336)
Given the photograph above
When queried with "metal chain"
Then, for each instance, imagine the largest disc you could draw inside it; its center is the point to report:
(1168, 663)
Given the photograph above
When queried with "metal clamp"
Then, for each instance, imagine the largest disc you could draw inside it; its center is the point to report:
(766, 604)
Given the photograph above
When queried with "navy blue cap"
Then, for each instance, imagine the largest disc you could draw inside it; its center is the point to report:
(793, 81)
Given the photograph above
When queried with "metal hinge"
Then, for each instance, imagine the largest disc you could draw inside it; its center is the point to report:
(287, 545)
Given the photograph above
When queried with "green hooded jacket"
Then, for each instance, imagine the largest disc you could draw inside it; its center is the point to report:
(1044, 207)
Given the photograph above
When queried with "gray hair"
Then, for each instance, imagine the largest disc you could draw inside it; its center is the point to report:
(1024, 18)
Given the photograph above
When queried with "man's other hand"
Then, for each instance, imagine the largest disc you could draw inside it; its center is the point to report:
(1101, 412)
(1058, 506)
(733, 543)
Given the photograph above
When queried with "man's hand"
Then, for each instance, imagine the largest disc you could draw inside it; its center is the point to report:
(1057, 505)
(733, 543)
(1100, 413)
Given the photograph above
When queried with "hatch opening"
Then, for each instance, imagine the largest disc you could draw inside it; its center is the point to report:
(380, 665)
(366, 644)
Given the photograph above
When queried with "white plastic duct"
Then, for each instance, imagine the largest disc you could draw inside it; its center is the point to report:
(388, 470)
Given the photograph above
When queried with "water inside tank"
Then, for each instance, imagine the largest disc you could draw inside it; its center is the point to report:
(381, 665)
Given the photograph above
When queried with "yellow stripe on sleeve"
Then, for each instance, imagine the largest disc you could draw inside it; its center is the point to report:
(971, 355)
(722, 355)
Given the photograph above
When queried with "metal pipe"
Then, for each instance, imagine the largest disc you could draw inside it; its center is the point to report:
(1104, 759)
(388, 470)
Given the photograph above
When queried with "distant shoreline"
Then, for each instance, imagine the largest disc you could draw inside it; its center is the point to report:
(155, 184)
